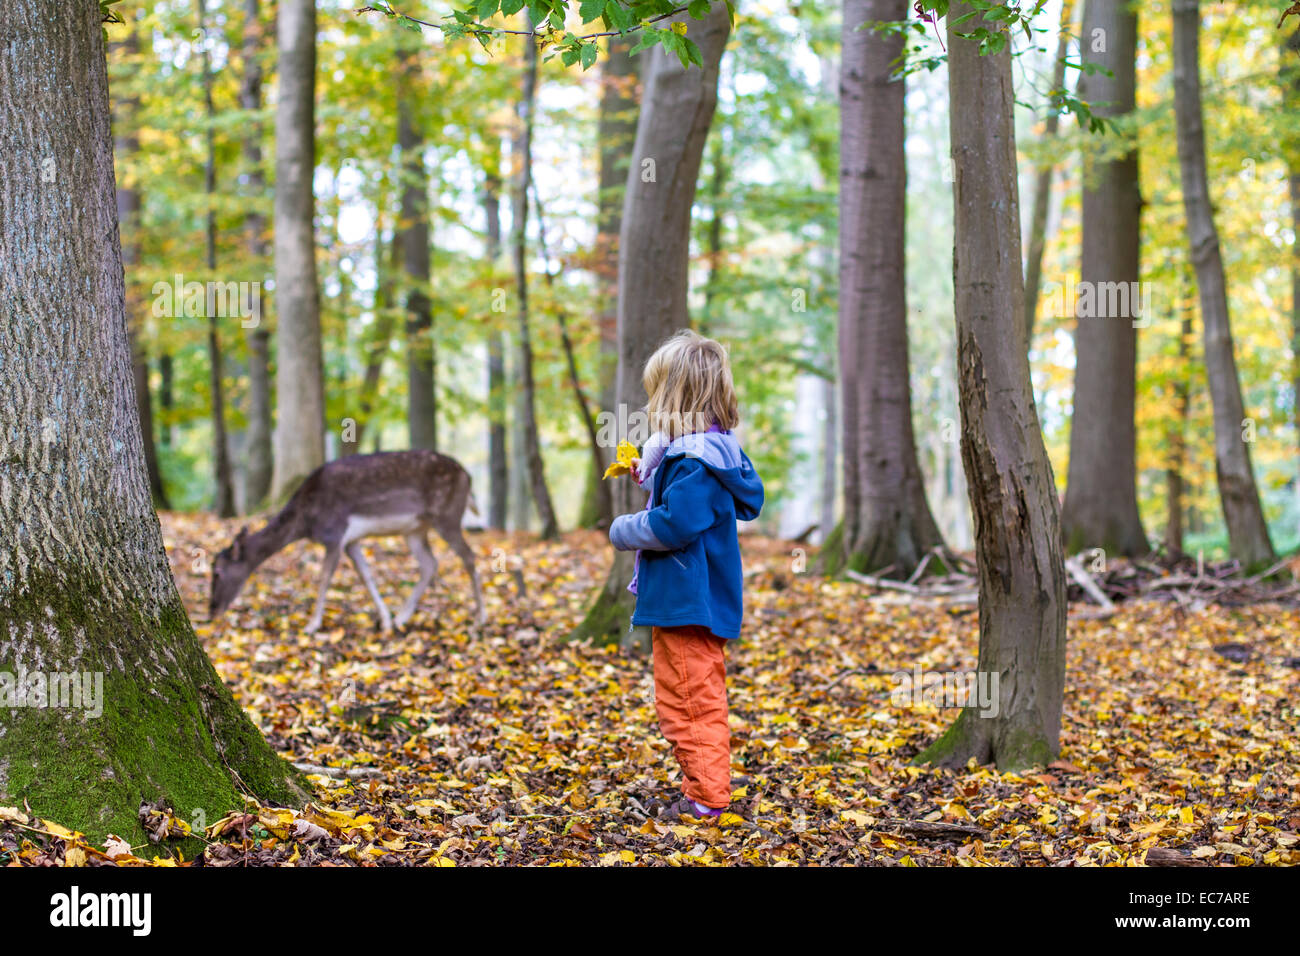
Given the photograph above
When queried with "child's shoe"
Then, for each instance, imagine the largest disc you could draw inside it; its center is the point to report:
(688, 807)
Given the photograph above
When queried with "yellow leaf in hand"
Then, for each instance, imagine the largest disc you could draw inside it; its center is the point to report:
(622, 465)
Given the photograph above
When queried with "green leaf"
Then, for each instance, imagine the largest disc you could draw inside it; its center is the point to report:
(588, 53)
(699, 9)
(619, 18)
(485, 8)
(590, 10)
(692, 52)
(511, 7)
(650, 38)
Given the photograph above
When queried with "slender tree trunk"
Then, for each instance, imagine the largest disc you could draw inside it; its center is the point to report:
(166, 397)
(1043, 182)
(1178, 433)
(887, 524)
(498, 462)
(615, 134)
(128, 212)
(224, 496)
(381, 335)
(299, 380)
(585, 413)
(713, 236)
(1012, 491)
(1101, 509)
(422, 410)
(654, 254)
(257, 440)
(85, 588)
(523, 157)
(1247, 532)
(521, 498)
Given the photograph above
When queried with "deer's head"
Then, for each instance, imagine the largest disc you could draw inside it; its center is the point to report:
(230, 570)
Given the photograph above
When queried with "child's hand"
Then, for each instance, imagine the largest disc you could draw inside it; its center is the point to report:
(636, 470)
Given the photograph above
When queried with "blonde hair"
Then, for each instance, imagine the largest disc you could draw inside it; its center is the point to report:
(688, 379)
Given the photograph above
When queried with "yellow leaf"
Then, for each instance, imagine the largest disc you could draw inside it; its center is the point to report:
(626, 455)
(679, 29)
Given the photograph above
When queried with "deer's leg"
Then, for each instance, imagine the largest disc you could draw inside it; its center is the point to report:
(419, 546)
(363, 568)
(326, 574)
(451, 533)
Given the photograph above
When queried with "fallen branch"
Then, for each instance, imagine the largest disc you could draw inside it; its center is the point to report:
(939, 830)
(1085, 581)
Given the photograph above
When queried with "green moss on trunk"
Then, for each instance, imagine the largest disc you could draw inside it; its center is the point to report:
(169, 729)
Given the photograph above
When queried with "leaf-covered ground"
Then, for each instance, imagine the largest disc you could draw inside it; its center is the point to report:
(513, 747)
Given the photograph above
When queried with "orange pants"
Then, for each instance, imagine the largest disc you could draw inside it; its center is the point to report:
(691, 698)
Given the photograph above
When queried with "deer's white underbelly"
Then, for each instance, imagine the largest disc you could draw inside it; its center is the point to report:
(369, 526)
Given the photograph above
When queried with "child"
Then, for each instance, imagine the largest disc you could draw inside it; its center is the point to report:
(689, 579)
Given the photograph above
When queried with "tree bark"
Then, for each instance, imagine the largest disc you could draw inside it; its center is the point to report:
(223, 483)
(85, 586)
(421, 404)
(127, 143)
(1101, 509)
(585, 414)
(523, 159)
(1174, 484)
(300, 425)
(381, 335)
(1247, 532)
(1043, 182)
(1009, 477)
(615, 135)
(887, 523)
(257, 439)
(654, 255)
(498, 462)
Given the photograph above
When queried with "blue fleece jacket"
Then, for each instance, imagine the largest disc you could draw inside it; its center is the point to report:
(690, 555)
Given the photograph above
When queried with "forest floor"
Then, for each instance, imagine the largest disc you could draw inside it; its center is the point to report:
(514, 747)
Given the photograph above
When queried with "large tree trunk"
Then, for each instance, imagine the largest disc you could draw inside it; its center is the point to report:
(615, 134)
(421, 406)
(1101, 508)
(1043, 182)
(654, 255)
(127, 143)
(523, 159)
(1009, 477)
(85, 587)
(887, 522)
(257, 439)
(1247, 532)
(300, 424)
(498, 463)
(224, 485)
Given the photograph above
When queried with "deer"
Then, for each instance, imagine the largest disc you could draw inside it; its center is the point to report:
(355, 497)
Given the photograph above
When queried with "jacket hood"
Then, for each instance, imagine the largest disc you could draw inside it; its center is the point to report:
(721, 453)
